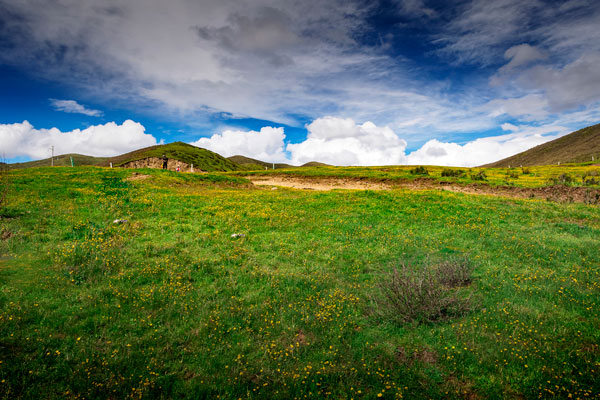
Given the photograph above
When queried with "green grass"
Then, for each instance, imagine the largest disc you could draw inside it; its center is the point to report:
(169, 305)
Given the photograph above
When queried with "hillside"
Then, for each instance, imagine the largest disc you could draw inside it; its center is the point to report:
(579, 146)
(251, 163)
(202, 159)
(63, 160)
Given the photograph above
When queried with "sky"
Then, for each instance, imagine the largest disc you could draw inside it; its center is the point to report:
(345, 82)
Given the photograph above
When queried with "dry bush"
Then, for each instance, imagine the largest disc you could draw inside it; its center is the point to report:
(424, 295)
(454, 273)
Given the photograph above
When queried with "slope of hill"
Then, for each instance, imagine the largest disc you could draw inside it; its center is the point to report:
(202, 159)
(251, 163)
(63, 160)
(579, 146)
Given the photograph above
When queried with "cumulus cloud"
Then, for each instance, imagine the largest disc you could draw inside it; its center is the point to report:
(341, 141)
(110, 139)
(71, 106)
(265, 145)
(484, 150)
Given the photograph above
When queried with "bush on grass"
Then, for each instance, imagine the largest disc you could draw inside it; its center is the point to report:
(424, 295)
(449, 172)
(420, 170)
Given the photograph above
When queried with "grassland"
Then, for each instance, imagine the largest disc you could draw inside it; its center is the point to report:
(169, 305)
(584, 174)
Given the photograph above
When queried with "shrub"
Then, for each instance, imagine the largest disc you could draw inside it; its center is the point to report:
(562, 179)
(591, 197)
(426, 295)
(525, 171)
(453, 172)
(479, 176)
(420, 170)
(512, 174)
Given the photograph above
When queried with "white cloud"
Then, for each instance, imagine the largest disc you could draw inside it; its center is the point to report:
(71, 106)
(110, 139)
(529, 108)
(265, 145)
(340, 141)
(575, 84)
(521, 55)
(484, 150)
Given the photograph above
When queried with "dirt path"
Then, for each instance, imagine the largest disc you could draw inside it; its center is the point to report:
(552, 193)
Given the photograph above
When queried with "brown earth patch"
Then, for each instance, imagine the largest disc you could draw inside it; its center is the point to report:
(137, 177)
(558, 193)
(6, 235)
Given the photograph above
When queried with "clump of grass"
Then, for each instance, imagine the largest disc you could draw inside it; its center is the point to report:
(430, 294)
(449, 172)
(4, 186)
(420, 170)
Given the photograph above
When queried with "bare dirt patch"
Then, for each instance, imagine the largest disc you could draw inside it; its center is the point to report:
(318, 184)
(137, 177)
(558, 193)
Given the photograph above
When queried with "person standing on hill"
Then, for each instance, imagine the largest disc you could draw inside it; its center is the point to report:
(165, 160)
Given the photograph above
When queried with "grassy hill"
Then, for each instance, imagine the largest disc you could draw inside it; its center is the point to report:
(63, 160)
(251, 163)
(575, 147)
(201, 158)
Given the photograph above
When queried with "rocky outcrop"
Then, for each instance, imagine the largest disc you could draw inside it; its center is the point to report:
(155, 162)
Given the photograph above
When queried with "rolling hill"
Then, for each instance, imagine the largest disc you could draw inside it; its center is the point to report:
(63, 160)
(202, 159)
(252, 164)
(576, 147)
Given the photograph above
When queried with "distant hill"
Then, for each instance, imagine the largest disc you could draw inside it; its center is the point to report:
(63, 160)
(575, 147)
(315, 164)
(251, 163)
(202, 159)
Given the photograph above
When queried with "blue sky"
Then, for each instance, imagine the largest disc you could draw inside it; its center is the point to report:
(344, 82)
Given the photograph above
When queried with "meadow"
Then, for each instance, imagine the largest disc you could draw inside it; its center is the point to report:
(167, 304)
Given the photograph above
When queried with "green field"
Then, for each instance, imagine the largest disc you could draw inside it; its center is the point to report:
(170, 305)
